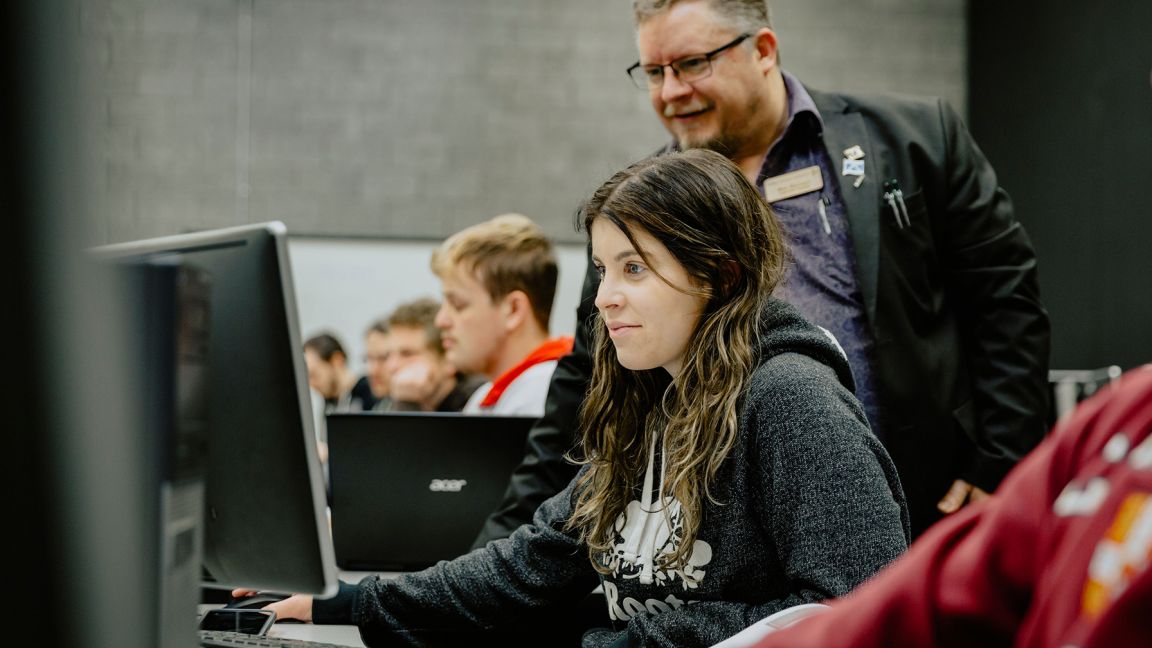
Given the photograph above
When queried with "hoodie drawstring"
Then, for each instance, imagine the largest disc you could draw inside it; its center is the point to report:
(640, 546)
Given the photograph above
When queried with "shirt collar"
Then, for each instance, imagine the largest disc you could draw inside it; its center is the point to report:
(800, 105)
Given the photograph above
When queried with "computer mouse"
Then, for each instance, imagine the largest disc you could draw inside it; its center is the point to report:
(254, 602)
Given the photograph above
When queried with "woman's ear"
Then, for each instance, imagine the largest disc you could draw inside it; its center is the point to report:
(729, 276)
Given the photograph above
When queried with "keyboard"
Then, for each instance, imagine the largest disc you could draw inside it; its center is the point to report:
(228, 639)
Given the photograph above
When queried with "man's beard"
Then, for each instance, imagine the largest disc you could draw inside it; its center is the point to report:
(727, 142)
(723, 143)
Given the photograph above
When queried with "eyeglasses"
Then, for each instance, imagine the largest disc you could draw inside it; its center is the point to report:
(688, 69)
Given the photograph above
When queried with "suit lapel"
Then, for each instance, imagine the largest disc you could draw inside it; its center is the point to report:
(844, 128)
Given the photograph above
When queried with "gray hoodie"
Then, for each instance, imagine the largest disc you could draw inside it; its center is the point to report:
(809, 507)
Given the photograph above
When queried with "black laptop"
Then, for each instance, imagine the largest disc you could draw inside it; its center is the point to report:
(409, 489)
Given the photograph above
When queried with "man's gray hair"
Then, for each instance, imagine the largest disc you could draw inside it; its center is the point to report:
(745, 15)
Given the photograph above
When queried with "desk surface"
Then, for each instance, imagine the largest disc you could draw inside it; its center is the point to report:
(341, 635)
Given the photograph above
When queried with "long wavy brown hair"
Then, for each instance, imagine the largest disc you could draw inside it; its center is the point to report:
(699, 205)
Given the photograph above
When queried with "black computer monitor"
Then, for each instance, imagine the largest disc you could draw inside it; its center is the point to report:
(264, 516)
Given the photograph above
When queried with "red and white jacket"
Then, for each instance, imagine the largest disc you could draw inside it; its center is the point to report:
(523, 388)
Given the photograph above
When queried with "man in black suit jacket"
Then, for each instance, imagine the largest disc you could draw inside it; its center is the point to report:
(904, 247)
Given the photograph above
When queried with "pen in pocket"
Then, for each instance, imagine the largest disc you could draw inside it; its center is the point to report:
(895, 198)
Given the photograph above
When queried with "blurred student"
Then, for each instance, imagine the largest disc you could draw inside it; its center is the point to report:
(499, 280)
(727, 470)
(330, 383)
(329, 374)
(376, 366)
(420, 377)
(362, 391)
(1059, 556)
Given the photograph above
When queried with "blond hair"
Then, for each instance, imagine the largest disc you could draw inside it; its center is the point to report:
(505, 254)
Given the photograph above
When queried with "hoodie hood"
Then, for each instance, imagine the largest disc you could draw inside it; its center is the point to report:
(785, 330)
(647, 525)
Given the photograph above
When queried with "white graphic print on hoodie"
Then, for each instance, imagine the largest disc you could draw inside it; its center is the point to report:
(645, 532)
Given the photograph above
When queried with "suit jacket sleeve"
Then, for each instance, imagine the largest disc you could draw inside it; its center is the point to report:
(991, 279)
(544, 470)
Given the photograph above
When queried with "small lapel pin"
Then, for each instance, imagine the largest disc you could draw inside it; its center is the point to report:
(854, 164)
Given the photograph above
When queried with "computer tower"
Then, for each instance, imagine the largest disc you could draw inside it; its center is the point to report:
(170, 301)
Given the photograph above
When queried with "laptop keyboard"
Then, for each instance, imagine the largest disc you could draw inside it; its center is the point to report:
(228, 639)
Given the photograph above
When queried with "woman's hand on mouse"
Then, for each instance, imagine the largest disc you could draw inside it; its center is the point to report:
(297, 606)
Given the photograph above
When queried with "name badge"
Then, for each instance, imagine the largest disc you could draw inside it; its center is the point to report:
(793, 183)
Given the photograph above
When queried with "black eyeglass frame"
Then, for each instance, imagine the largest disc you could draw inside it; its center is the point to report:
(644, 83)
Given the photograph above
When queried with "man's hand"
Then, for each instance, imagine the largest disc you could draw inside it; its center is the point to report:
(960, 494)
(415, 383)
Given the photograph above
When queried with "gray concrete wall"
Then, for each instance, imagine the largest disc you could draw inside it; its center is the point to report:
(409, 119)
(374, 128)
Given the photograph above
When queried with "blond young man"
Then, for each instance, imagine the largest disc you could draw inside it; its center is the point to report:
(499, 280)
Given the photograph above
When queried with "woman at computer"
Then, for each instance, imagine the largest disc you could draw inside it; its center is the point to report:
(728, 472)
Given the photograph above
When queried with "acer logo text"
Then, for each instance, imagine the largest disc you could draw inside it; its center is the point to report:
(447, 485)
